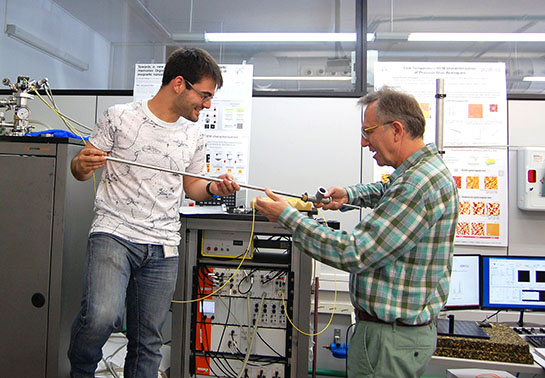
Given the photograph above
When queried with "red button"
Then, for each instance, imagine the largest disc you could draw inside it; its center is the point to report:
(532, 175)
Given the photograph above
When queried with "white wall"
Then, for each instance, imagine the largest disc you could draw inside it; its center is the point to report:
(299, 144)
(526, 129)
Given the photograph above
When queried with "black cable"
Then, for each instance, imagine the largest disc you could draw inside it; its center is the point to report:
(258, 358)
(346, 341)
(488, 317)
(235, 345)
(223, 333)
(268, 345)
(219, 363)
(278, 274)
(225, 369)
(226, 322)
(204, 275)
(207, 354)
(203, 326)
(245, 278)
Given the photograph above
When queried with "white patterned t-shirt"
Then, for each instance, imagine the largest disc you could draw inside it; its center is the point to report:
(142, 204)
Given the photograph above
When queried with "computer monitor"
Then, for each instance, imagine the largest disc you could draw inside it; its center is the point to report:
(464, 292)
(513, 282)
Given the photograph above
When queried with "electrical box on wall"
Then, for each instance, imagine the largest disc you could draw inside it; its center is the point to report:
(531, 178)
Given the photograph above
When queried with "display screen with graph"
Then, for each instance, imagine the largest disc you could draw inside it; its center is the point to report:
(464, 291)
(513, 282)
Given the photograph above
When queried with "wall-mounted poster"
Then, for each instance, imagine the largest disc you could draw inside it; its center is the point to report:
(475, 115)
(226, 124)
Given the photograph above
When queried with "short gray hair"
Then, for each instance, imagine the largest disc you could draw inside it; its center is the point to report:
(394, 105)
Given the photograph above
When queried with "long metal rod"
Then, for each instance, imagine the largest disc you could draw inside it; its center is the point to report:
(315, 336)
(209, 178)
(439, 113)
(123, 161)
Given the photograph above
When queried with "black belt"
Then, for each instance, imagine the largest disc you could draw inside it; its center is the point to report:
(364, 316)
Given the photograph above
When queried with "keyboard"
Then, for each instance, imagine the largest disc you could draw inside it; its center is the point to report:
(462, 328)
(537, 341)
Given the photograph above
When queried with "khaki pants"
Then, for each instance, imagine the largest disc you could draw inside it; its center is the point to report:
(390, 351)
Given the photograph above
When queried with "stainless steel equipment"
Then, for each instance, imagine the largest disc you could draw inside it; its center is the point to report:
(18, 102)
(45, 215)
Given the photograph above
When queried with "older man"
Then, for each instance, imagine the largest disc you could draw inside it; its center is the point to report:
(399, 255)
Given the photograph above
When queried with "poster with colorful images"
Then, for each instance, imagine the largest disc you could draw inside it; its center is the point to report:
(475, 106)
(481, 178)
(475, 114)
(226, 124)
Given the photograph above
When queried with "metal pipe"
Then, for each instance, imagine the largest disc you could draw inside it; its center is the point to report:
(194, 175)
(439, 114)
(315, 336)
(123, 161)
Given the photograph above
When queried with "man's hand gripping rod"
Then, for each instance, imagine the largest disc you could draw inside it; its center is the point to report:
(305, 197)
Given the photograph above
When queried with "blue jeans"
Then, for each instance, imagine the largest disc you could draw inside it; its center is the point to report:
(120, 273)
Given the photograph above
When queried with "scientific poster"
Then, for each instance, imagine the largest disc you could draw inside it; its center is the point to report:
(147, 80)
(481, 178)
(475, 114)
(226, 124)
(475, 105)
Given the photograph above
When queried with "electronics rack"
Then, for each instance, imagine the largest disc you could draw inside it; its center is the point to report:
(247, 312)
(211, 337)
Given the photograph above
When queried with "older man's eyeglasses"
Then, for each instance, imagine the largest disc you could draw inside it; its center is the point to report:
(364, 130)
(205, 96)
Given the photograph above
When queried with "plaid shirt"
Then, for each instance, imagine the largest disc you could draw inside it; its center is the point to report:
(400, 254)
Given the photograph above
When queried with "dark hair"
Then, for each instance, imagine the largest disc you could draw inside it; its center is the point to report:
(393, 105)
(192, 64)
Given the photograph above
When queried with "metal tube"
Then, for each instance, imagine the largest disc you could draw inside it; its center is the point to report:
(439, 114)
(123, 161)
(315, 335)
(194, 175)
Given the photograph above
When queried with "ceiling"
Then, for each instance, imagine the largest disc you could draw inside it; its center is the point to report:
(151, 20)
(156, 21)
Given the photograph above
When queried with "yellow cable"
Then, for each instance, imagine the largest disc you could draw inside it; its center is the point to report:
(330, 318)
(233, 275)
(72, 128)
(334, 301)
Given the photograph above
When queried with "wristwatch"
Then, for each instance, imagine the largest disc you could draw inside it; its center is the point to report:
(208, 189)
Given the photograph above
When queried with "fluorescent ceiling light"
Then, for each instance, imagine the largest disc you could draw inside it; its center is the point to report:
(305, 78)
(534, 78)
(188, 37)
(477, 37)
(280, 37)
(21, 35)
(269, 37)
(390, 36)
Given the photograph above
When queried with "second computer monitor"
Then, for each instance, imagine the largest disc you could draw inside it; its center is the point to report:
(513, 282)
